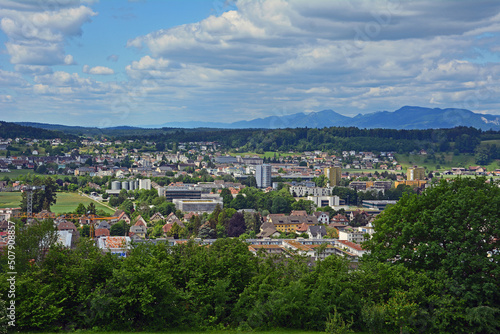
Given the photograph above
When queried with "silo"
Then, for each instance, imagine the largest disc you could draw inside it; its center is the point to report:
(131, 185)
(115, 185)
(125, 185)
(136, 184)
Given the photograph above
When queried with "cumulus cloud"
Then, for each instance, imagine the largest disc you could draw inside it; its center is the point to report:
(100, 70)
(269, 57)
(37, 33)
(386, 53)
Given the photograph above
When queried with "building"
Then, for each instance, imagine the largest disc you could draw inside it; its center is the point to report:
(182, 192)
(334, 175)
(6, 213)
(414, 183)
(321, 201)
(291, 223)
(263, 176)
(145, 184)
(352, 235)
(197, 205)
(415, 173)
(302, 191)
(378, 205)
(226, 160)
(115, 245)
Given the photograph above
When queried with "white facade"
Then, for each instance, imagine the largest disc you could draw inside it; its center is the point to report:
(321, 201)
(145, 184)
(302, 191)
(352, 236)
(263, 176)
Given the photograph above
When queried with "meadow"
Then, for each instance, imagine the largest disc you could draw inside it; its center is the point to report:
(66, 202)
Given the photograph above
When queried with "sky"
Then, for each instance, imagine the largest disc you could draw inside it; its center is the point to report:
(146, 63)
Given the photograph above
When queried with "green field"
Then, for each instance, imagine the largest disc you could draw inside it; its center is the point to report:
(66, 202)
(444, 160)
(14, 173)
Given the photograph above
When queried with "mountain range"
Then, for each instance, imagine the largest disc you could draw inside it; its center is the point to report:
(407, 117)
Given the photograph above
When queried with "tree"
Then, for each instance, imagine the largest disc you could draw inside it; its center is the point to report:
(80, 210)
(226, 197)
(91, 209)
(280, 205)
(236, 225)
(206, 232)
(321, 180)
(42, 199)
(306, 205)
(33, 242)
(451, 230)
(121, 228)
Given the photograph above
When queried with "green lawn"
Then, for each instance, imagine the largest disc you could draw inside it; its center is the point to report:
(66, 202)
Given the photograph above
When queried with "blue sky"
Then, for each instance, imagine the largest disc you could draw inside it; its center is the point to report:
(115, 62)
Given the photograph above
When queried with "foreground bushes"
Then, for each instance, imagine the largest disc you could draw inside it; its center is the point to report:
(159, 287)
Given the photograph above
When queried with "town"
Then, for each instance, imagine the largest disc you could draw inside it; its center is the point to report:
(280, 202)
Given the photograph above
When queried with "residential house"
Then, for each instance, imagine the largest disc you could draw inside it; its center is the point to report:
(338, 218)
(351, 247)
(267, 230)
(115, 245)
(139, 228)
(352, 235)
(156, 217)
(316, 232)
(71, 228)
(122, 216)
(323, 217)
(291, 223)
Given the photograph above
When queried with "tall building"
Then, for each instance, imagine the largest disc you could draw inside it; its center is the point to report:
(145, 184)
(334, 175)
(415, 173)
(263, 176)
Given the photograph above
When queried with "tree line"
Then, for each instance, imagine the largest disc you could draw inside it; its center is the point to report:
(433, 268)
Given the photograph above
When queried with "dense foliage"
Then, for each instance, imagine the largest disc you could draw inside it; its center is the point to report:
(450, 231)
(12, 130)
(433, 269)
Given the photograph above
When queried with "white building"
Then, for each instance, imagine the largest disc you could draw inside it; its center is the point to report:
(263, 176)
(352, 235)
(302, 191)
(145, 184)
(321, 201)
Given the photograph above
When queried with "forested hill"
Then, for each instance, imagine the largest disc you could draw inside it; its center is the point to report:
(13, 130)
(463, 139)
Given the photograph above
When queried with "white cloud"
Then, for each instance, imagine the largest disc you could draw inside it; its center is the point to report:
(36, 36)
(99, 70)
(270, 55)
